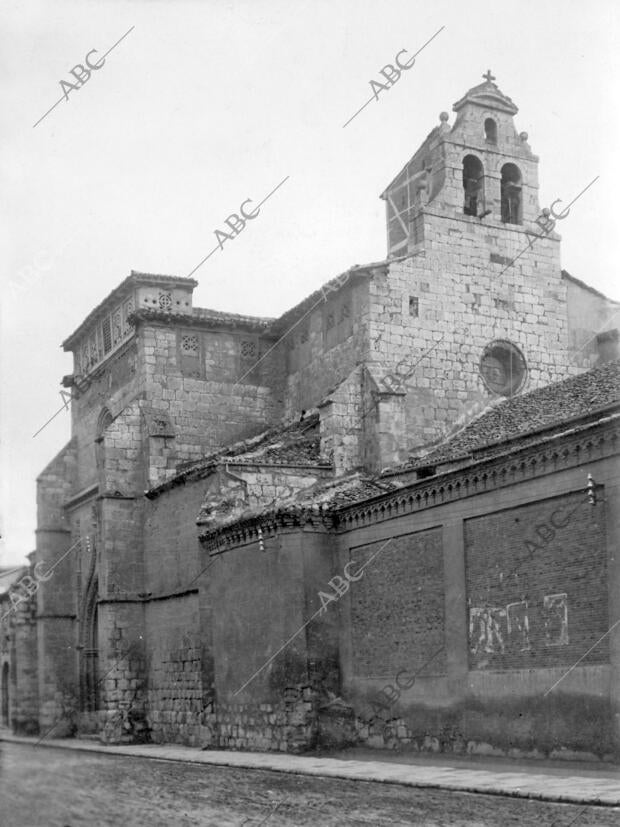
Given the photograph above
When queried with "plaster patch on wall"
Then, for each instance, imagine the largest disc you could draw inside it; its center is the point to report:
(518, 625)
(487, 630)
(555, 616)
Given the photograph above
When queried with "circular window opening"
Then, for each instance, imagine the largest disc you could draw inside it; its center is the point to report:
(503, 368)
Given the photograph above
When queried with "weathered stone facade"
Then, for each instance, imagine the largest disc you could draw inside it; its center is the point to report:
(224, 474)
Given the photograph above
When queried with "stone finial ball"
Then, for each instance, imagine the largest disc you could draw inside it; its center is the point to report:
(523, 136)
(443, 117)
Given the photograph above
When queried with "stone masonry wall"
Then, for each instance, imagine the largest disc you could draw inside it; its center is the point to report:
(589, 313)
(56, 595)
(113, 386)
(210, 407)
(172, 553)
(290, 725)
(325, 346)
(341, 427)
(180, 701)
(180, 695)
(123, 674)
(463, 304)
(18, 648)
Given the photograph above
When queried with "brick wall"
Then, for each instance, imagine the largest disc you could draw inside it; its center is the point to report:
(537, 585)
(397, 608)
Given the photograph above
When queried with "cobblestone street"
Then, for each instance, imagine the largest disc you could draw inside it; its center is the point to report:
(48, 787)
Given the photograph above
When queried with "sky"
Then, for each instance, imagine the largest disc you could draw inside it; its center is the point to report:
(202, 105)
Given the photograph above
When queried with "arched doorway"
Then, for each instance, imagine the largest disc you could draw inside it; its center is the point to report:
(89, 681)
(5, 694)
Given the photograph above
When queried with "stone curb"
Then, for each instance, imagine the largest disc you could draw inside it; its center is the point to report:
(532, 786)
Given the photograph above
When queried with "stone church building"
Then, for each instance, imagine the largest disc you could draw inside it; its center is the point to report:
(387, 517)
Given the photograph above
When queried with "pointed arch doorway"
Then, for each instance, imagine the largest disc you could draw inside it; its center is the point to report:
(89, 669)
(6, 671)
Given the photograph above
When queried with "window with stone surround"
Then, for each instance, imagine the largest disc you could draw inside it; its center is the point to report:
(105, 419)
(165, 300)
(503, 368)
(249, 356)
(190, 355)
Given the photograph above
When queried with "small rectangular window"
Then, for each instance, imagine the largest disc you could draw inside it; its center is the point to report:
(189, 353)
(189, 345)
(414, 306)
(249, 360)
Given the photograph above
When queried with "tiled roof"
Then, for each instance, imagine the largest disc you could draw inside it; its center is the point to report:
(358, 488)
(297, 443)
(337, 493)
(133, 278)
(507, 426)
(322, 497)
(276, 326)
(8, 577)
(207, 313)
(202, 316)
(524, 417)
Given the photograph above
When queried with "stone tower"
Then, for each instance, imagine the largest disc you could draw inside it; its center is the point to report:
(473, 304)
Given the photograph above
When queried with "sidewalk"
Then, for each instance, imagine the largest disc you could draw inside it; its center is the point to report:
(577, 784)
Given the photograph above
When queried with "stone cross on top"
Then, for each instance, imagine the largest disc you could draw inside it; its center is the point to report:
(489, 76)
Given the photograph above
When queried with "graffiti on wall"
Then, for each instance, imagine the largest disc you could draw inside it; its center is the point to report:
(495, 631)
(555, 617)
(518, 626)
(487, 630)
